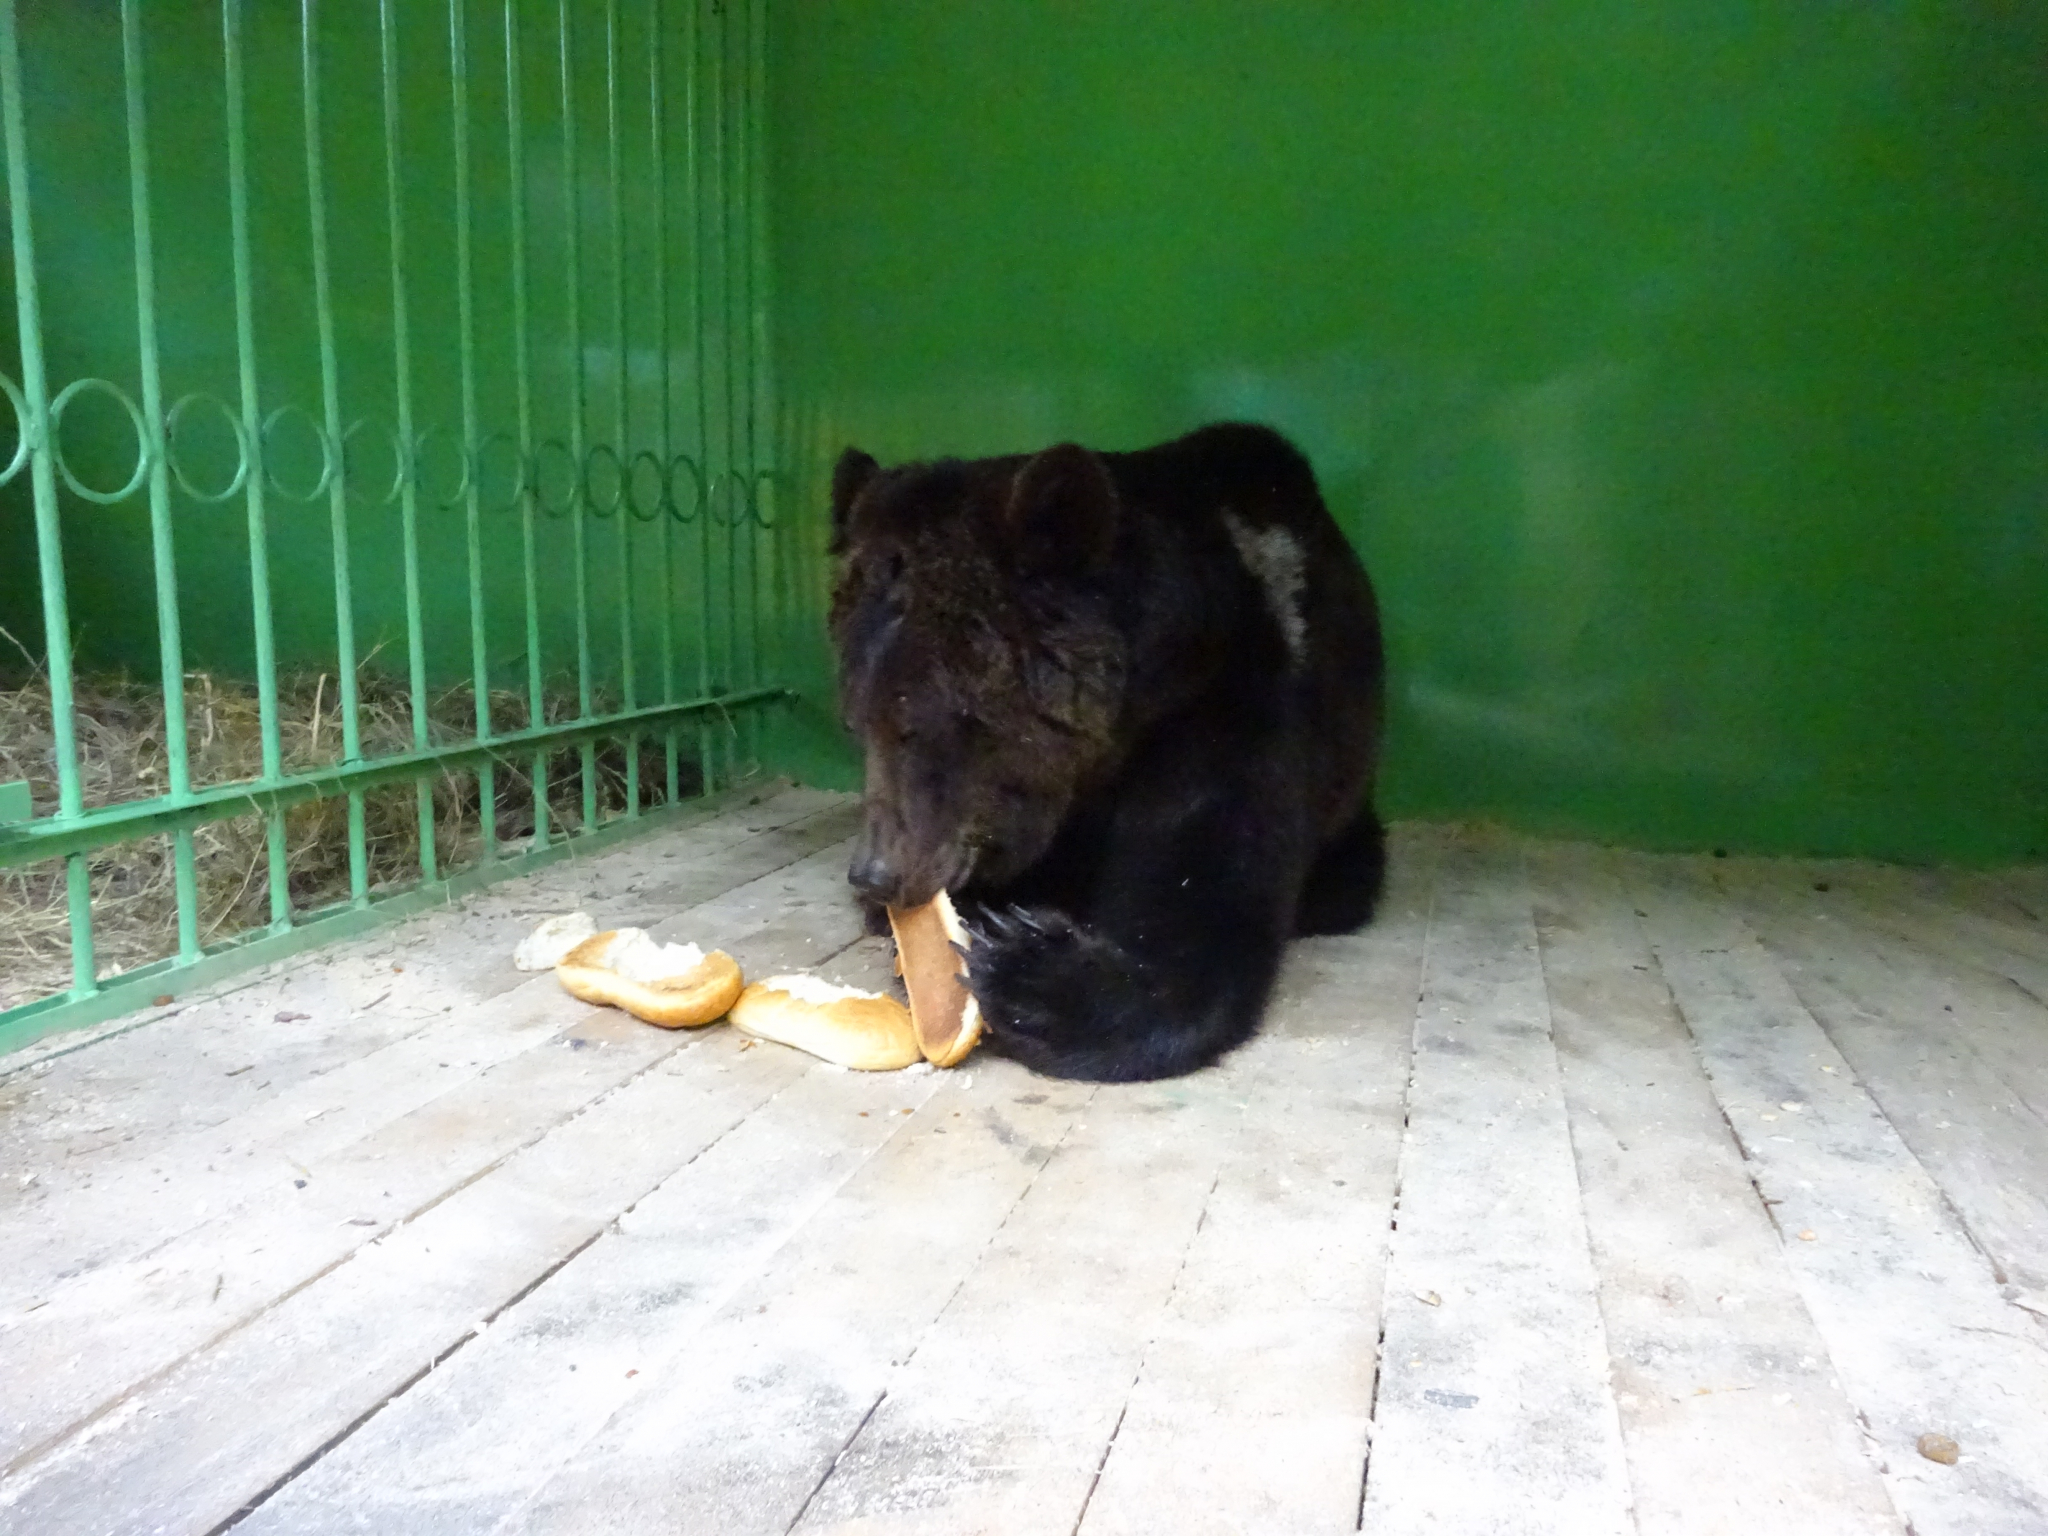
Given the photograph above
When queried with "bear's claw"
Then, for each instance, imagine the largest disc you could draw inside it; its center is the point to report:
(1043, 979)
(1006, 925)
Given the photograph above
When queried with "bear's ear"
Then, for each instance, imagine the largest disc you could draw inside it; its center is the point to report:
(1063, 510)
(850, 476)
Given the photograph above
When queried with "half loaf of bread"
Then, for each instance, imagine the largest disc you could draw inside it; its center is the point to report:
(862, 1030)
(677, 986)
(930, 956)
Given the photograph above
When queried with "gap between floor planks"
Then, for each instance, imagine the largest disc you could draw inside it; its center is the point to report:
(59, 1253)
(142, 1314)
(1918, 1332)
(225, 1422)
(1953, 1054)
(72, 1117)
(124, 1209)
(1731, 1416)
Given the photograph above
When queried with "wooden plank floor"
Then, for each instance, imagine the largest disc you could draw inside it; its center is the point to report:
(1585, 1192)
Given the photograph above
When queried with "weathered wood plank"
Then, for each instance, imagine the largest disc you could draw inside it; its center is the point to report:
(121, 1209)
(104, 1332)
(1494, 1412)
(1253, 1404)
(65, 1118)
(1894, 903)
(1981, 1009)
(224, 1424)
(2023, 890)
(1919, 1335)
(1955, 1058)
(467, 1446)
(2015, 897)
(1000, 1419)
(1730, 1413)
(770, 1391)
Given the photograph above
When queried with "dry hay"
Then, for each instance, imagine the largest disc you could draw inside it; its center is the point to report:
(121, 738)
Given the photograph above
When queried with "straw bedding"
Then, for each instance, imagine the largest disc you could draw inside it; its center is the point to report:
(121, 752)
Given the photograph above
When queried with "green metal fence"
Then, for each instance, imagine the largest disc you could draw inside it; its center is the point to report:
(417, 330)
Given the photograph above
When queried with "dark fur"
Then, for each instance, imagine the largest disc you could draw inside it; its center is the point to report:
(1082, 716)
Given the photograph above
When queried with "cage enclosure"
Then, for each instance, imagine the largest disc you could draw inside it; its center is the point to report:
(414, 525)
(393, 497)
(422, 412)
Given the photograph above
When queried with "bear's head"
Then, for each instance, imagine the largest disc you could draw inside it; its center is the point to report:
(978, 664)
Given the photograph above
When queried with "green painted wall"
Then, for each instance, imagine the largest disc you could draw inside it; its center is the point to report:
(1681, 368)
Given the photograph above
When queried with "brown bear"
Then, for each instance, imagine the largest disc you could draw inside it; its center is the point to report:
(1126, 708)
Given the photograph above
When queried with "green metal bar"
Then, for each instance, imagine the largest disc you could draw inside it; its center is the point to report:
(657, 121)
(252, 434)
(78, 910)
(131, 990)
(465, 300)
(522, 365)
(35, 390)
(572, 177)
(736, 359)
(43, 481)
(744, 285)
(330, 401)
(408, 504)
(744, 125)
(762, 271)
(51, 837)
(615, 176)
(722, 85)
(731, 237)
(163, 550)
(693, 199)
(761, 436)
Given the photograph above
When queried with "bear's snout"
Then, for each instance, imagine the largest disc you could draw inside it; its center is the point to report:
(873, 876)
(891, 870)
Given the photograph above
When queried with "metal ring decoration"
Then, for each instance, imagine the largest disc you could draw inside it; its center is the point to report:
(619, 472)
(175, 415)
(733, 480)
(419, 445)
(540, 494)
(330, 458)
(762, 478)
(661, 496)
(518, 471)
(696, 473)
(398, 470)
(22, 436)
(143, 461)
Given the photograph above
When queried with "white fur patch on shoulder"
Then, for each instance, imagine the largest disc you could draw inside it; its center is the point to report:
(1274, 558)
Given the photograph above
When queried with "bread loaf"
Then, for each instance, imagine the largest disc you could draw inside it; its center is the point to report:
(930, 955)
(862, 1030)
(677, 986)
